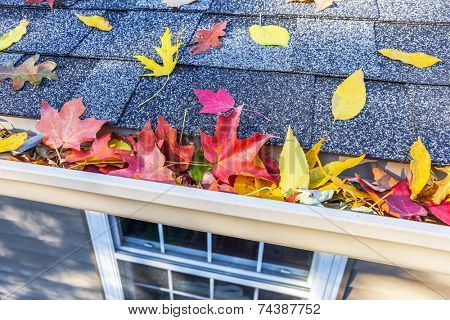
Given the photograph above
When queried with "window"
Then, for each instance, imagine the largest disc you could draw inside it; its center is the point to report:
(158, 262)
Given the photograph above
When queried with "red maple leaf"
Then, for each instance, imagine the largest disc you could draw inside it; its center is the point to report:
(215, 102)
(208, 38)
(170, 147)
(233, 156)
(50, 2)
(99, 152)
(147, 140)
(65, 129)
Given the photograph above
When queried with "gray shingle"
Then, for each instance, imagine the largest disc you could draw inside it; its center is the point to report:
(413, 10)
(432, 117)
(283, 98)
(108, 88)
(6, 58)
(240, 51)
(431, 39)
(49, 31)
(27, 102)
(137, 4)
(334, 46)
(353, 8)
(135, 32)
(383, 129)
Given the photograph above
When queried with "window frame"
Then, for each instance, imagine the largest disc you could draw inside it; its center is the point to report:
(324, 279)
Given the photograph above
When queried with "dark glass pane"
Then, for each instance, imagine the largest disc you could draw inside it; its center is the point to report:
(150, 294)
(270, 295)
(235, 247)
(139, 229)
(132, 272)
(289, 257)
(185, 238)
(231, 291)
(191, 284)
(180, 297)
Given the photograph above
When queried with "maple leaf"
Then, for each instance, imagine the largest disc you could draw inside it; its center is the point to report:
(99, 153)
(215, 102)
(148, 166)
(65, 129)
(442, 211)
(166, 53)
(28, 71)
(14, 35)
(170, 148)
(207, 39)
(230, 155)
(50, 2)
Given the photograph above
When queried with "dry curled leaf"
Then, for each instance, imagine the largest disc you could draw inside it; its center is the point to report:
(14, 35)
(95, 21)
(28, 71)
(416, 59)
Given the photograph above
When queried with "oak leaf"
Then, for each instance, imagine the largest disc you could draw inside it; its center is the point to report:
(215, 102)
(350, 97)
(270, 35)
(14, 35)
(95, 21)
(207, 39)
(28, 71)
(166, 52)
(65, 129)
(13, 142)
(416, 59)
(230, 155)
(420, 166)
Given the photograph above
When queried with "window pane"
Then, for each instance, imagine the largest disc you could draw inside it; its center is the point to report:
(289, 257)
(139, 229)
(231, 291)
(191, 284)
(185, 238)
(150, 294)
(270, 295)
(132, 273)
(180, 297)
(235, 247)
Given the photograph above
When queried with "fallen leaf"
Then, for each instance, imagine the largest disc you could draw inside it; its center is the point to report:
(14, 35)
(13, 142)
(270, 35)
(350, 97)
(320, 4)
(50, 2)
(99, 152)
(177, 3)
(119, 144)
(28, 71)
(420, 167)
(215, 102)
(166, 52)
(271, 166)
(207, 39)
(313, 197)
(417, 59)
(65, 129)
(259, 188)
(312, 154)
(384, 180)
(442, 211)
(354, 192)
(335, 168)
(443, 187)
(95, 21)
(197, 171)
(293, 166)
(230, 155)
(179, 156)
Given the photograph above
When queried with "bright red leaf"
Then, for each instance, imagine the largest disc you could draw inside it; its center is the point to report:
(98, 152)
(64, 128)
(206, 39)
(50, 2)
(215, 102)
(442, 211)
(230, 155)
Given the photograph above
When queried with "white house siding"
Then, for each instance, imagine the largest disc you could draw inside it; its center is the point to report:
(45, 253)
(373, 281)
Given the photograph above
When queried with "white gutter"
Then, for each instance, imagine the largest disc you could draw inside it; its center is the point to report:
(380, 239)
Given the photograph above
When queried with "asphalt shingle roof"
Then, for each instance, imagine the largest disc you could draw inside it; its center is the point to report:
(279, 86)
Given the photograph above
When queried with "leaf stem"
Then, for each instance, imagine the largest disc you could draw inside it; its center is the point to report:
(156, 93)
(182, 126)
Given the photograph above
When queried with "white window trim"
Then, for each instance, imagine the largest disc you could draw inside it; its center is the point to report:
(326, 274)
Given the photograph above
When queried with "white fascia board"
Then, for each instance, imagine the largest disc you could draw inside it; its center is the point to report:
(380, 239)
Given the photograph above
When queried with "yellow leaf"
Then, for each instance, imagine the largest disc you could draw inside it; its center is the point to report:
(13, 142)
(293, 166)
(355, 193)
(319, 177)
(329, 186)
(14, 35)
(95, 21)
(166, 52)
(349, 97)
(417, 59)
(443, 185)
(119, 144)
(420, 167)
(259, 188)
(311, 155)
(270, 35)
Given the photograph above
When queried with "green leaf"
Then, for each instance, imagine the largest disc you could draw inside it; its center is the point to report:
(197, 172)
